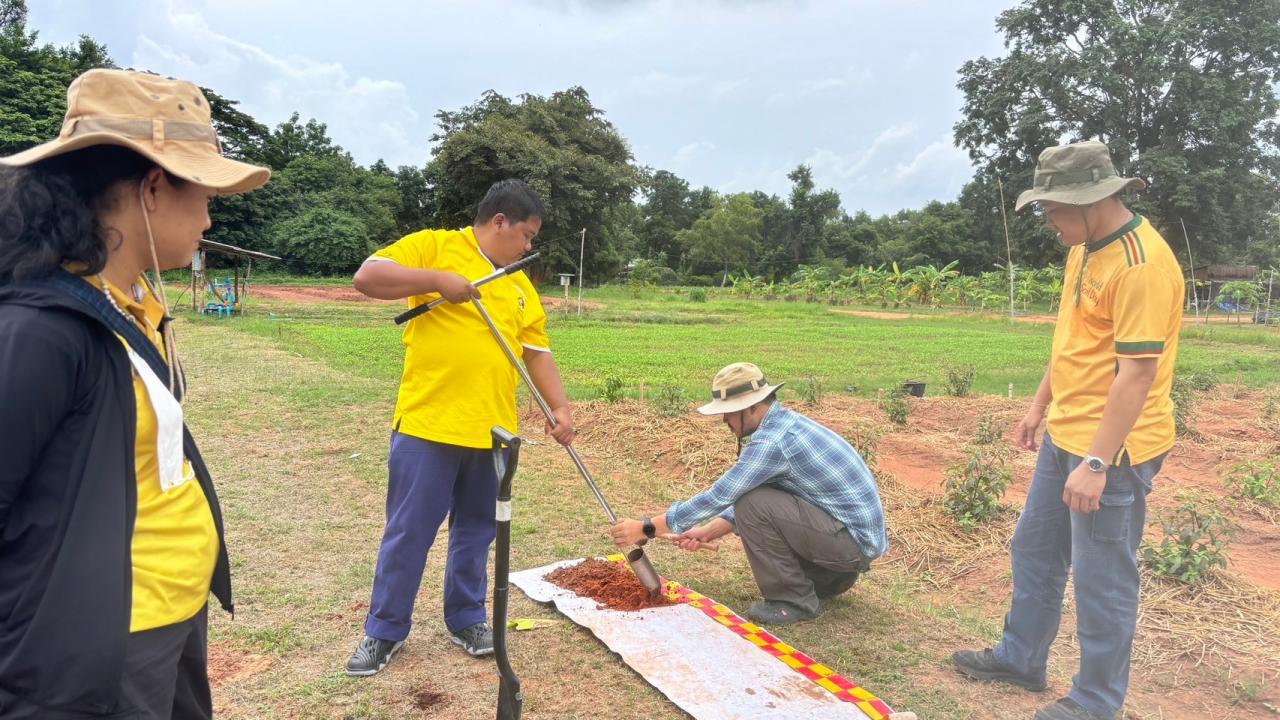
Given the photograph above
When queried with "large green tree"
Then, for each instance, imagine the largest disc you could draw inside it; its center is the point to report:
(936, 234)
(1183, 92)
(774, 261)
(668, 208)
(852, 239)
(34, 79)
(727, 238)
(562, 146)
(336, 183)
(810, 212)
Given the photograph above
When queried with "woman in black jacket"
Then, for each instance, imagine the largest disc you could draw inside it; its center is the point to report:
(110, 532)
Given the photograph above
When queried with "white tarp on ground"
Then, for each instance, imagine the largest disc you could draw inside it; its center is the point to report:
(700, 665)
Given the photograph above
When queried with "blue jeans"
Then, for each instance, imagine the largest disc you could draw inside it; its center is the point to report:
(1102, 547)
(428, 480)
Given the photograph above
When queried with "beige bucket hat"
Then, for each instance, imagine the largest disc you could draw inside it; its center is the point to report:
(738, 387)
(165, 120)
(1076, 174)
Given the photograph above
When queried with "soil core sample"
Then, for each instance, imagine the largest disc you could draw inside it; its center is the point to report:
(608, 583)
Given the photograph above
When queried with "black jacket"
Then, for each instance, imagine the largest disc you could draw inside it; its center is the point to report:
(68, 500)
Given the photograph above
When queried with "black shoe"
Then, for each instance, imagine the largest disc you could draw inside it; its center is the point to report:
(477, 640)
(983, 665)
(836, 586)
(1068, 709)
(776, 612)
(371, 656)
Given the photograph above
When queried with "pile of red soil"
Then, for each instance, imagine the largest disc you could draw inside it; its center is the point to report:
(609, 583)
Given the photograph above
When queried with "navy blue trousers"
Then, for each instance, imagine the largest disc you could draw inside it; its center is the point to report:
(427, 481)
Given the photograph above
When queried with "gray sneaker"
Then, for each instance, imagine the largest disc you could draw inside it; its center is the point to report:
(477, 640)
(983, 665)
(777, 612)
(1068, 709)
(371, 656)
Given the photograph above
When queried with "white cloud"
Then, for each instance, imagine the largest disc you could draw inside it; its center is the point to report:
(690, 151)
(724, 88)
(850, 165)
(655, 82)
(816, 86)
(371, 117)
(938, 159)
(863, 90)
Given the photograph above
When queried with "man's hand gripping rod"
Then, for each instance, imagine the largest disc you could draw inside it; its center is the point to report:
(516, 266)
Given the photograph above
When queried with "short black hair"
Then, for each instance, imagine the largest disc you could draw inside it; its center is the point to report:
(511, 197)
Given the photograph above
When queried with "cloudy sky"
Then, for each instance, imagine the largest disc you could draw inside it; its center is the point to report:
(726, 93)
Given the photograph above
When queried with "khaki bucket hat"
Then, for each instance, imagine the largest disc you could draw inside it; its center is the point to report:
(1076, 174)
(738, 387)
(168, 121)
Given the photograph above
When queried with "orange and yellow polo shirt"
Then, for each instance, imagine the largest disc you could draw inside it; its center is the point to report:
(1122, 298)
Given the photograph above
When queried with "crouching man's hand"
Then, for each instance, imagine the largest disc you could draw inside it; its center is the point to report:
(627, 532)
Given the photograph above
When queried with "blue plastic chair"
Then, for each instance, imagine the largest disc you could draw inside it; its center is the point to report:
(225, 288)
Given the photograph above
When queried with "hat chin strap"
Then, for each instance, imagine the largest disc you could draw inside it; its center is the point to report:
(176, 379)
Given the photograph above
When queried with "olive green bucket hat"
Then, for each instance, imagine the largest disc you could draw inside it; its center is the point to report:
(1076, 174)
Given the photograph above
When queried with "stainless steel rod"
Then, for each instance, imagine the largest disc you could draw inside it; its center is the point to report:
(546, 409)
(504, 271)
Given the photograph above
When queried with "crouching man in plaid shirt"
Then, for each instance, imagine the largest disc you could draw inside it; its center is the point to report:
(801, 498)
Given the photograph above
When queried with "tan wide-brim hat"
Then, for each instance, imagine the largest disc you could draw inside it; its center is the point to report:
(738, 387)
(1076, 174)
(167, 121)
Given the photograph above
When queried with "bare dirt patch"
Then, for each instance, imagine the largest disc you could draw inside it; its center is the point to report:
(227, 665)
(551, 302)
(429, 699)
(314, 293)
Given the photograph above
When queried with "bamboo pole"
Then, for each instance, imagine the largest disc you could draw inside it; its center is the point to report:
(1190, 261)
(582, 278)
(1007, 244)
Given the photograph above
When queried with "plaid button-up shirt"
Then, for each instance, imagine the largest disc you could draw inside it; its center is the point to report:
(796, 454)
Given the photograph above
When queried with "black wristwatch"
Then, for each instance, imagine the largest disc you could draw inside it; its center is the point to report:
(649, 530)
(1095, 463)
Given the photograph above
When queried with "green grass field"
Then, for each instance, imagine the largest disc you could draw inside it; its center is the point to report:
(663, 338)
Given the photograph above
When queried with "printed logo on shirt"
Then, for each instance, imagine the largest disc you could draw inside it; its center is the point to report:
(1092, 289)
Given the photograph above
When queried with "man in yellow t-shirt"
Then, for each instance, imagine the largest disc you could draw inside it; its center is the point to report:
(1110, 426)
(456, 386)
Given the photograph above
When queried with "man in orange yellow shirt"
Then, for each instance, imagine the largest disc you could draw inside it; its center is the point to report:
(1110, 426)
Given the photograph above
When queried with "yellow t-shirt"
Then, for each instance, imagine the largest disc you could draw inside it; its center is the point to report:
(457, 383)
(175, 542)
(1122, 298)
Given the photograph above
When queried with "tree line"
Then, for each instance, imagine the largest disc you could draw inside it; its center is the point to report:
(1183, 91)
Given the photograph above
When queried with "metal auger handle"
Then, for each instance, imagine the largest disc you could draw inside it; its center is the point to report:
(516, 266)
